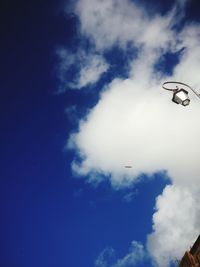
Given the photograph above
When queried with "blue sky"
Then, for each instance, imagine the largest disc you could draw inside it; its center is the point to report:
(81, 98)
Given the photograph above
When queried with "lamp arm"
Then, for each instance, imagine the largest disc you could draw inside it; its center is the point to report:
(197, 94)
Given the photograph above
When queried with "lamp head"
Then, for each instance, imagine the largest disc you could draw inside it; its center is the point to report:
(181, 97)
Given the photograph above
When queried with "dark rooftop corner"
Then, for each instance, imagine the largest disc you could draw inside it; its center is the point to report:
(192, 257)
(196, 247)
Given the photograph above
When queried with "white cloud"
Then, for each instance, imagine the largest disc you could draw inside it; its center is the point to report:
(176, 224)
(135, 123)
(140, 126)
(189, 66)
(135, 255)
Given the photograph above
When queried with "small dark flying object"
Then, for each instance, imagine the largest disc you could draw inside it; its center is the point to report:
(128, 167)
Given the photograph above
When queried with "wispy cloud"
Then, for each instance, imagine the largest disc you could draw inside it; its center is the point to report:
(130, 196)
(80, 69)
(135, 256)
(106, 258)
(135, 121)
(112, 22)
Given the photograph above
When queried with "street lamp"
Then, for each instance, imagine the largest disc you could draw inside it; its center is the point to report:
(180, 95)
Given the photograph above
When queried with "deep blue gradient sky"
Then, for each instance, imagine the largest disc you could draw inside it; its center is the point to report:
(48, 217)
